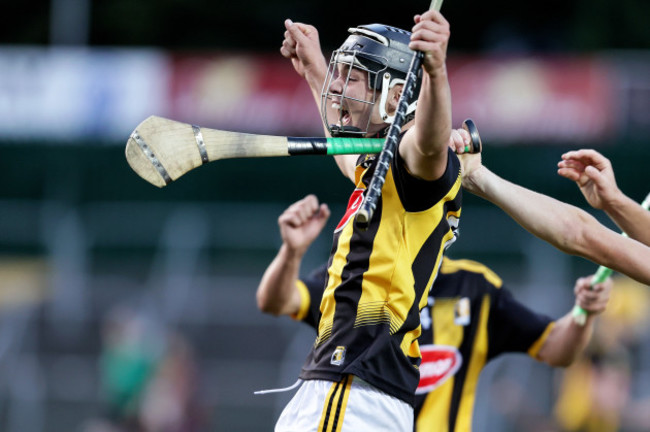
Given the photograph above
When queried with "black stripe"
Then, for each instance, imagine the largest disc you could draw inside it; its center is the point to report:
(307, 146)
(350, 290)
(421, 266)
(455, 204)
(465, 348)
(340, 404)
(329, 407)
(357, 262)
(422, 271)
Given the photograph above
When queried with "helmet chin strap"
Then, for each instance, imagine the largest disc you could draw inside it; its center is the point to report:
(387, 84)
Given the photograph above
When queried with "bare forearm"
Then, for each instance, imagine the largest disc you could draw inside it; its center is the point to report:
(566, 341)
(424, 147)
(430, 36)
(566, 227)
(277, 292)
(433, 118)
(541, 215)
(633, 219)
(315, 78)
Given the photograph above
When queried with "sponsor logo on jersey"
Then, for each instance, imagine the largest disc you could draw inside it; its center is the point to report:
(353, 207)
(462, 312)
(439, 363)
(338, 356)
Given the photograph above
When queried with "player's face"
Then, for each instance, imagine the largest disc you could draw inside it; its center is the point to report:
(353, 100)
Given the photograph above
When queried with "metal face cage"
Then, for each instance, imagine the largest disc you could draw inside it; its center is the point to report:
(341, 66)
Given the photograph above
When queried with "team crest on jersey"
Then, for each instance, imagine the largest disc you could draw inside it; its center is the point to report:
(439, 363)
(367, 160)
(338, 356)
(462, 312)
(353, 207)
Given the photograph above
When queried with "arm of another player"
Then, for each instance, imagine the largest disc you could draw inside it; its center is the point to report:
(424, 146)
(566, 227)
(568, 339)
(301, 45)
(594, 175)
(299, 224)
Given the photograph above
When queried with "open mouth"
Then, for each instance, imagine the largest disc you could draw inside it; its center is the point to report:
(344, 114)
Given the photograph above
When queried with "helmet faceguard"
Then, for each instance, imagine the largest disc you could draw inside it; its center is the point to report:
(382, 53)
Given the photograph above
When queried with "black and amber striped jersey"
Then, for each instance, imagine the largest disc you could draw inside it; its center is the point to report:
(470, 319)
(378, 279)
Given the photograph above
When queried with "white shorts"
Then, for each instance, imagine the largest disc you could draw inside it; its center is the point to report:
(351, 405)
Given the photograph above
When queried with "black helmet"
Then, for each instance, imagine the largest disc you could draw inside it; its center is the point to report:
(384, 47)
(383, 52)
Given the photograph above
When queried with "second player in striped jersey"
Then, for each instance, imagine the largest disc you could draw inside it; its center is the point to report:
(470, 319)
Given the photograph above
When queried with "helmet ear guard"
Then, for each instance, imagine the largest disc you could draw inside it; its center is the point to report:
(383, 101)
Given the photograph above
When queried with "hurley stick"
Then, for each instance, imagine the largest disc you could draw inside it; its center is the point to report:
(161, 150)
(369, 204)
(579, 314)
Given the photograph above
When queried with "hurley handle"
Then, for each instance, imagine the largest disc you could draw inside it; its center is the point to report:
(369, 204)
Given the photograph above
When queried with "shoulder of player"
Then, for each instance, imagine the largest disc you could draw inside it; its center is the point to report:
(347, 165)
(452, 266)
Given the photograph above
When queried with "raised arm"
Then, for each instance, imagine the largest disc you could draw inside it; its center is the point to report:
(299, 224)
(568, 339)
(301, 45)
(594, 175)
(564, 226)
(424, 146)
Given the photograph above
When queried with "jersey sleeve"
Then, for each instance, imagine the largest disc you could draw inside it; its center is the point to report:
(311, 293)
(417, 194)
(513, 327)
